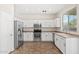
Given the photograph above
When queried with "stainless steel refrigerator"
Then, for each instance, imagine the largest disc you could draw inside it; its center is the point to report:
(18, 34)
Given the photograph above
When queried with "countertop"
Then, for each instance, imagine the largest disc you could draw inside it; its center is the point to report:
(53, 30)
(43, 29)
(65, 35)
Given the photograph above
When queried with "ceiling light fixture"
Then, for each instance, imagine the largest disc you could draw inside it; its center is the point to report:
(44, 11)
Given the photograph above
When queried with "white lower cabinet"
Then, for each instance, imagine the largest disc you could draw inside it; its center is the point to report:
(60, 43)
(46, 36)
(28, 36)
(67, 45)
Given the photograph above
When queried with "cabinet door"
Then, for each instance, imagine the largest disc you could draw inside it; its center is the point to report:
(48, 23)
(58, 22)
(57, 42)
(28, 23)
(28, 36)
(60, 43)
(63, 44)
(47, 36)
(72, 46)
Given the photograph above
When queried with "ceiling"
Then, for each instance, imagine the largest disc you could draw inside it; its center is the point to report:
(24, 9)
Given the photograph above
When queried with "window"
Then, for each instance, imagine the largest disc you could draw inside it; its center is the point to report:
(69, 21)
(65, 23)
(72, 23)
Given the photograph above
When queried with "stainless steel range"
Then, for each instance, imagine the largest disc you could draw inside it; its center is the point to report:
(37, 32)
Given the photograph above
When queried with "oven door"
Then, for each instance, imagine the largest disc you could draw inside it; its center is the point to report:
(37, 36)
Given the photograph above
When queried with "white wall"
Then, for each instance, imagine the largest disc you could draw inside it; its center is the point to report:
(8, 8)
(66, 8)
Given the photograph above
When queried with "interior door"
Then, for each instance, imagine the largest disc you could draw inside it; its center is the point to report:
(6, 30)
(10, 33)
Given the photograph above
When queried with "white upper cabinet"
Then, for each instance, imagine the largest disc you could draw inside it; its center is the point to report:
(48, 23)
(57, 22)
(28, 23)
(44, 23)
